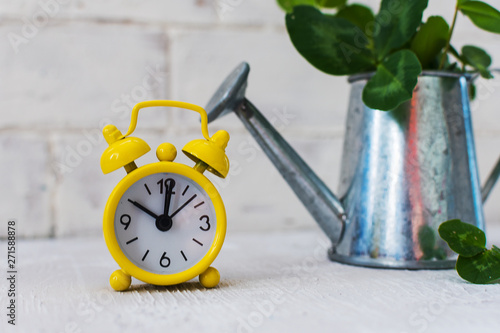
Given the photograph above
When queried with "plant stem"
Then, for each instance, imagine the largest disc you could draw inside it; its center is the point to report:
(443, 58)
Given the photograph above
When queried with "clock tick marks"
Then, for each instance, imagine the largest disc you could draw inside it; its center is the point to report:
(184, 205)
(198, 205)
(132, 240)
(145, 255)
(185, 190)
(184, 256)
(197, 242)
(147, 189)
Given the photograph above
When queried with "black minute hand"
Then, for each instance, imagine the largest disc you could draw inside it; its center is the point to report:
(184, 205)
(144, 209)
(168, 195)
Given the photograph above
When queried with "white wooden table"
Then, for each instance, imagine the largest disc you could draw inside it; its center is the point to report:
(273, 282)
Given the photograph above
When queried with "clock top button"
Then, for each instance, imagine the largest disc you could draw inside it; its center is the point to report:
(166, 152)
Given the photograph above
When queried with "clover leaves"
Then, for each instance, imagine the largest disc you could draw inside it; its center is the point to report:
(475, 262)
(395, 44)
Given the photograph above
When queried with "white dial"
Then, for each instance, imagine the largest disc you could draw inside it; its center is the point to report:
(165, 223)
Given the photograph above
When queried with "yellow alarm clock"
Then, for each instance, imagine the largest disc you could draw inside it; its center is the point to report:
(165, 222)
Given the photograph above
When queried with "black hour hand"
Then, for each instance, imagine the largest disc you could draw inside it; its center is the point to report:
(144, 209)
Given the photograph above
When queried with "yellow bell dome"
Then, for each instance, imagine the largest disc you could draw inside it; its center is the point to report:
(121, 151)
(211, 152)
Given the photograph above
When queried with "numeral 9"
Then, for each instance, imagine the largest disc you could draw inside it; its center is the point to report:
(125, 220)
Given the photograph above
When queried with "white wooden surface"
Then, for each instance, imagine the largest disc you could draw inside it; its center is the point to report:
(271, 282)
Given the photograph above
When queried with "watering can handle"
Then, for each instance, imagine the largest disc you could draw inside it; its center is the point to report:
(490, 181)
(177, 104)
(495, 173)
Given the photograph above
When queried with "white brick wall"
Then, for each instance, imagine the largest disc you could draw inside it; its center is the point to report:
(27, 183)
(82, 64)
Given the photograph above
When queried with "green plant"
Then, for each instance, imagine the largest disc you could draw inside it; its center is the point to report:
(345, 39)
(475, 262)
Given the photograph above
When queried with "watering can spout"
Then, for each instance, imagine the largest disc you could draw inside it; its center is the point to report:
(321, 203)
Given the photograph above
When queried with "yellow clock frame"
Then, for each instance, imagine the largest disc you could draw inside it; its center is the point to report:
(208, 154)
(109, 223)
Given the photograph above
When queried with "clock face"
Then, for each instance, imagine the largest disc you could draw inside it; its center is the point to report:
(165, 223)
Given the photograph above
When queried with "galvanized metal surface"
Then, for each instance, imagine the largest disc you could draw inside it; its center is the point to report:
(321, 203)
(403, 172)
(406, 171)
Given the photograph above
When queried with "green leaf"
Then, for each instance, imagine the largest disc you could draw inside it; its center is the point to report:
(393, 81)
(452, 68)
(472, 91)
(395, 23)
(427, 241)
(481, 268)
(477, 58)
(330, 3)
(331, 44)
(358, 14)
(440, 254)
(430, 40)
(455, 53)
(482, 15)
(463, 238)
(287, 5)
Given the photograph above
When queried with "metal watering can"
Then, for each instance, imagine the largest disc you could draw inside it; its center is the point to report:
(404, 171)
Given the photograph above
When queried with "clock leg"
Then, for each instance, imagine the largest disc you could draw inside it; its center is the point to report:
(210, 278)
(120, 280)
